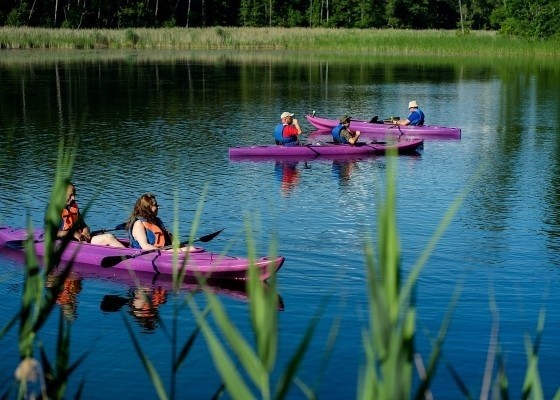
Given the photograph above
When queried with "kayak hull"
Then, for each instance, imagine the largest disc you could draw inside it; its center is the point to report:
(199, 263)
(403, 146)
(387, 130)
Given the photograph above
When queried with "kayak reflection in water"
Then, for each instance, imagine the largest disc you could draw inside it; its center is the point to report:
(287, 174)
(145, 230)
(286, 133)
(68, 297)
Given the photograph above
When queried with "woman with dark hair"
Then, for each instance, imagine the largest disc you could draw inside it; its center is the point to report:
(145, 230)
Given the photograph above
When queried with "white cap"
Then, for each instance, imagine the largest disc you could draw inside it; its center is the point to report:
(413, 104)
(286, 114)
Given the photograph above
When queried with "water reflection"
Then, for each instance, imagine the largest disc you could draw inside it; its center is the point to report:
(342, 170)
(143, 304)
(145, 293)
(288, 174)
(68, 297)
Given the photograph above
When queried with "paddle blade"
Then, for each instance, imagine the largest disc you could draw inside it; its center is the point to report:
(112, 302)
(15, 244)
(111, 261)
(209, 237)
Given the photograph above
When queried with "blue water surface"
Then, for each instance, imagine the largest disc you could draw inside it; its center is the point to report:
(164, 125)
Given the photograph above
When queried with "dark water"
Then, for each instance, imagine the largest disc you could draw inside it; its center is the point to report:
(163, 123)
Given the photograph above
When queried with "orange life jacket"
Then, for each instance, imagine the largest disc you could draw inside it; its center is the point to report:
(70, 215)
(159, 235)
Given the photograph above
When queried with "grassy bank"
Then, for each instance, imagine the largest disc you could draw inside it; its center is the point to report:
(370, 41)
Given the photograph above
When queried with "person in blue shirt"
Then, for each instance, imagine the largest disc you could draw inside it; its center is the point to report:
(342, 133)
(416, 116)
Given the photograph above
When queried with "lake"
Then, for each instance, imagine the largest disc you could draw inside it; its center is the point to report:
(163, 122)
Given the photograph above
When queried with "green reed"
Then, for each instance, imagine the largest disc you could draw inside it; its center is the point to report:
(364, 41)
(42, 287)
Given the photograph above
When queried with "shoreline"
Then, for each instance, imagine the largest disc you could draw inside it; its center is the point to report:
(366, 42)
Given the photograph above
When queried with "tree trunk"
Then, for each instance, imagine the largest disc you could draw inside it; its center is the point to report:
(203, 22)
(55, 12)
(157, 6)
(461, 16)
(31, 13)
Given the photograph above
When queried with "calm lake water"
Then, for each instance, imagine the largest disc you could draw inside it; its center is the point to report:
(163, 123)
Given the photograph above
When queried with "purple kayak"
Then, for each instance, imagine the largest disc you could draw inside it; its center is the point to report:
(402, 146)
(200, 262)
(379, 129)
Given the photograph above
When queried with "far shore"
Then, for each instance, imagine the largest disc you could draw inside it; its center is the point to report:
(385, 42)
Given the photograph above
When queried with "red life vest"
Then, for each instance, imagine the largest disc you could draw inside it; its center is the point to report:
(70, 215)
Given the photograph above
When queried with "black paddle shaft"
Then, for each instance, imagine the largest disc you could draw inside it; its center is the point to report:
(111, 261)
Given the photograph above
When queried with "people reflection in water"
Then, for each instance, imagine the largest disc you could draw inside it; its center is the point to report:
(343, 170)
(287, 174)
(144, 305)
(68, 297)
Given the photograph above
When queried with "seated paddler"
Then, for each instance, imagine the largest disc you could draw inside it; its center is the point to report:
(415, 116)
(145, 229)
(72, 222)
(286, 133)
(342, 132)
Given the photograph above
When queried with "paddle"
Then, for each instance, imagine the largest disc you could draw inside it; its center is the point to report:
(19, 244)
(119, 227)
(113, 302)
(111, 261)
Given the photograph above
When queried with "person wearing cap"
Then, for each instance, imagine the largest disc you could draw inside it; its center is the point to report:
(342, 133)
(416, 116)
(286, 133)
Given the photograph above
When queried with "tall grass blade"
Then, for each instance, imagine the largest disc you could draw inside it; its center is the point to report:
(263, 305)
(293, 364)
(185, 349)
(234, 383)
(244, 352)
(148, 366)
(532, 385)
(437, 347)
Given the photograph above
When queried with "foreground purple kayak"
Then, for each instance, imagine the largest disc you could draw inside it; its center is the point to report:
(403, 146)
(387, 129)
(198, 263)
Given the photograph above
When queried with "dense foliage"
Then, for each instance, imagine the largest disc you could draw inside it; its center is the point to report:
(527, 18)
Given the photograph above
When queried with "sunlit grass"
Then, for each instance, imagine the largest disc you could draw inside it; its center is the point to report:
(364, 41)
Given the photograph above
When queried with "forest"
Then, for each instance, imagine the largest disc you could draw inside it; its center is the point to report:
(534, 19)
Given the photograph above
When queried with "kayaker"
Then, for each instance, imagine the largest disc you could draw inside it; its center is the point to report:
(145, 230)
(71, 217)
(416, 116)
(286, 133)
(342, 133)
